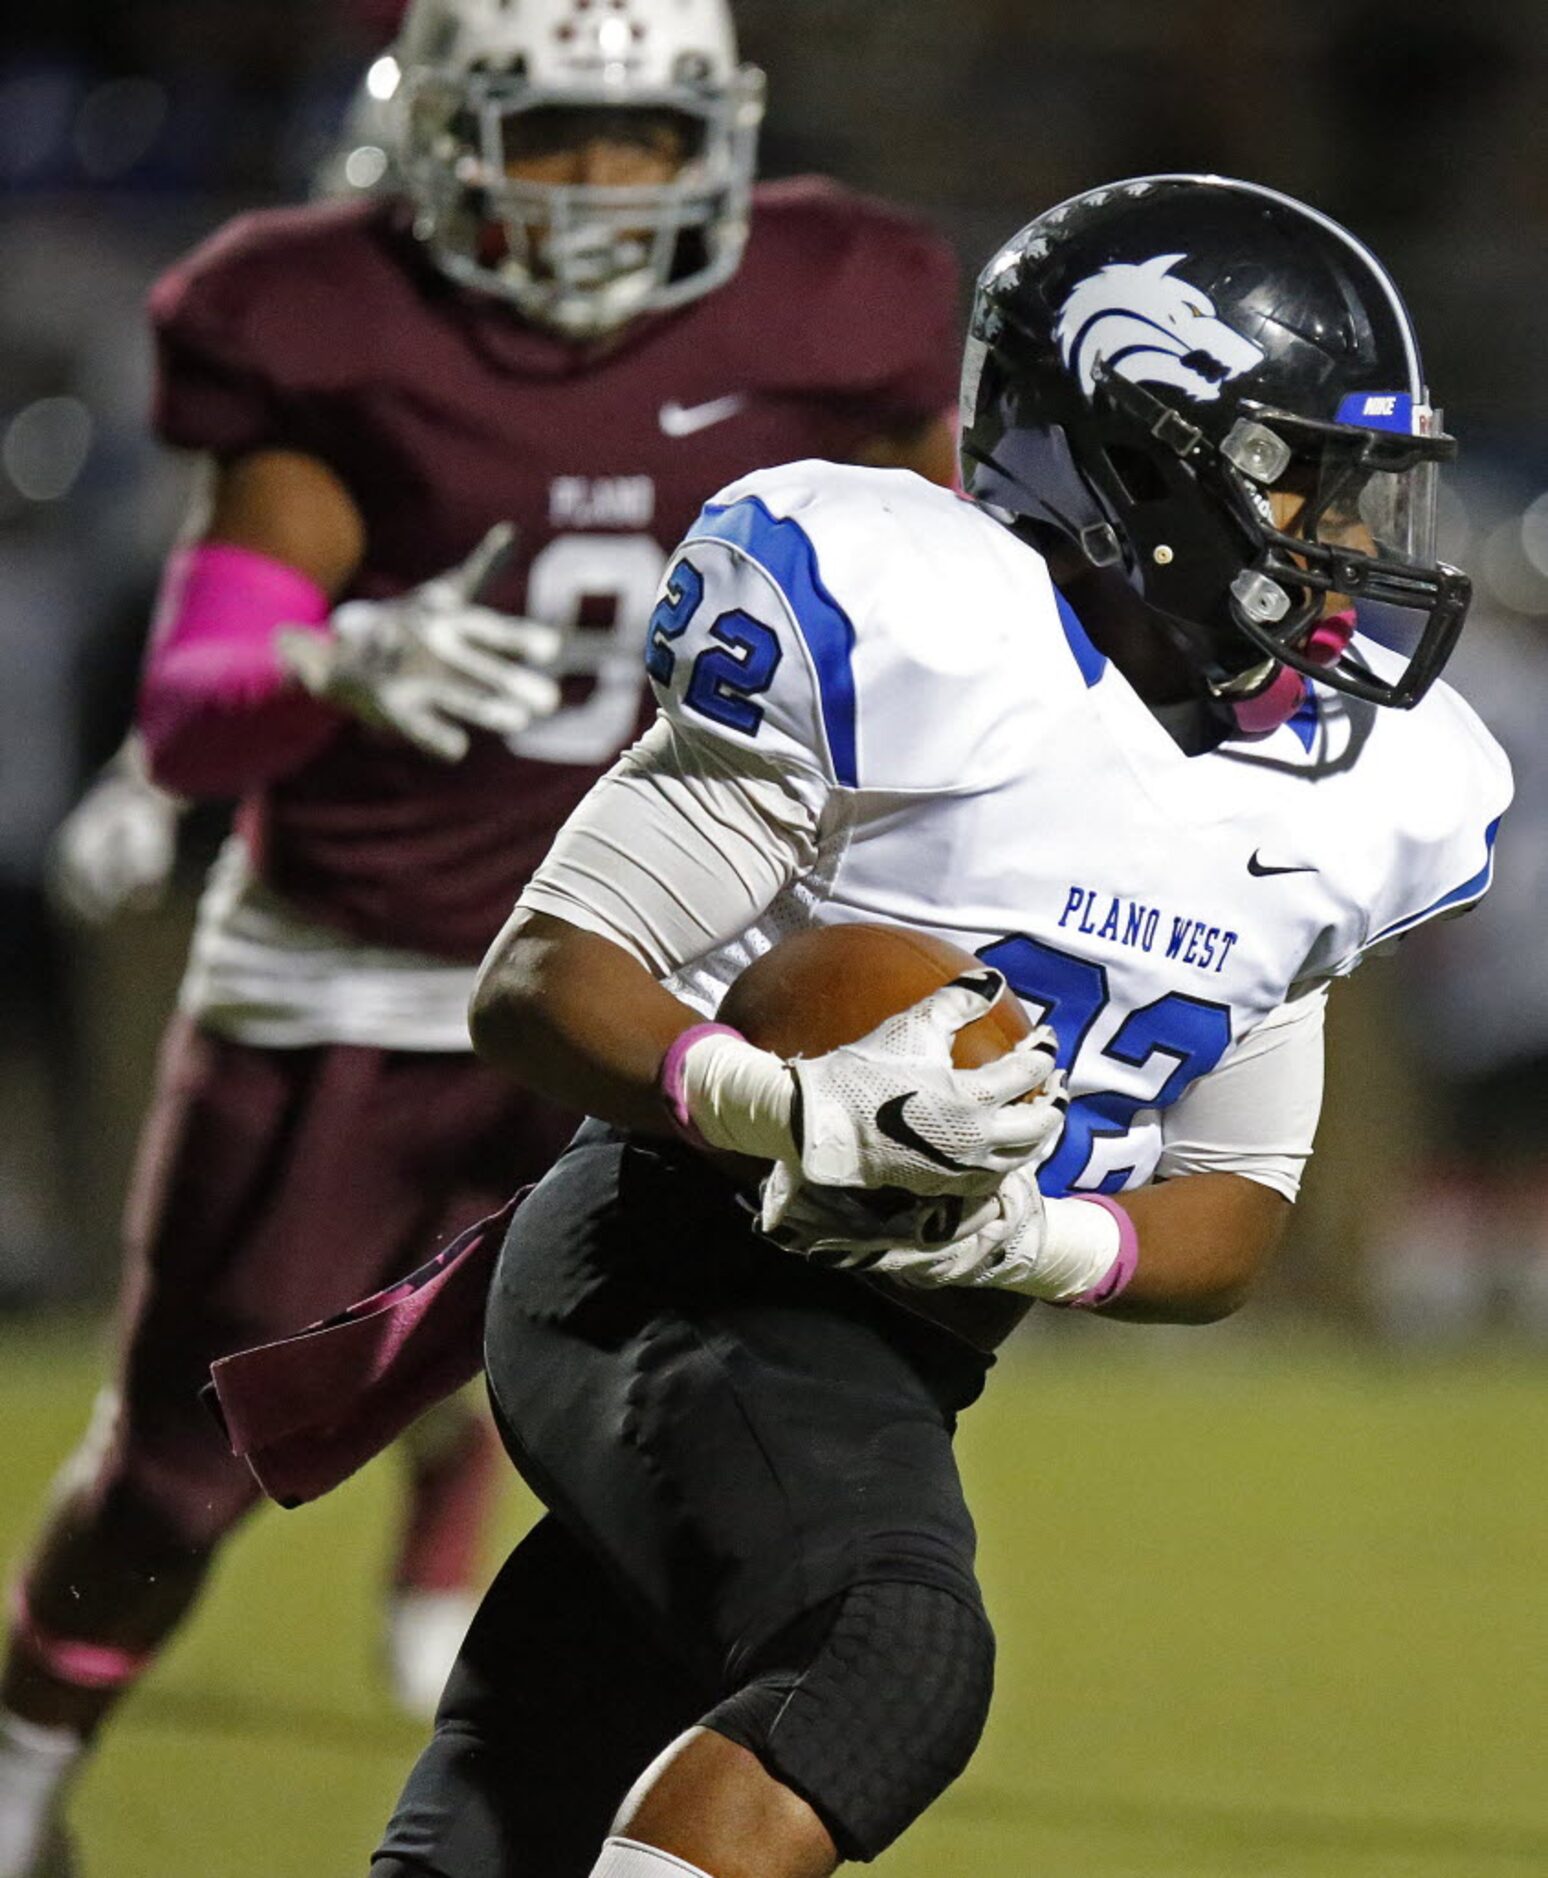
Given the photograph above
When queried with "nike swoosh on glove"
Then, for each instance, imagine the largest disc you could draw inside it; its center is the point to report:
(892, 1110)
(853, 1229)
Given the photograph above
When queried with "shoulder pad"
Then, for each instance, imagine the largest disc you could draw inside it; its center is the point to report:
(1437, 785)
(284, 299)
(895, 639)
(874, 291)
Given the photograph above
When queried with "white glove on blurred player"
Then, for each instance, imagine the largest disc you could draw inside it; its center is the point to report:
(114, 851)
(433, 662)
(891, 1110)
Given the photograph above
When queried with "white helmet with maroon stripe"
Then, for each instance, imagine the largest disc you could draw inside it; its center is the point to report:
(486, 83)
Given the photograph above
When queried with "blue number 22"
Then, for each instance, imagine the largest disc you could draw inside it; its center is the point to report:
(727, 676)
(1072, 993)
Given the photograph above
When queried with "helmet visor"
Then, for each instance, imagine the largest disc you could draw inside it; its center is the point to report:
(1386, 511)
(1350, 509)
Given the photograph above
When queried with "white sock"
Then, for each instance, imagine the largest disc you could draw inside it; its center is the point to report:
(35, 1763)
(627, 1858)
(423, 1635)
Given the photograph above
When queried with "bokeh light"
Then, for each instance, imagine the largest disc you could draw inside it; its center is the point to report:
(45, 448)
(117, 125)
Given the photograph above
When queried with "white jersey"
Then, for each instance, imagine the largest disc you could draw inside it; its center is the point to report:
(261, 973)
(979, 770)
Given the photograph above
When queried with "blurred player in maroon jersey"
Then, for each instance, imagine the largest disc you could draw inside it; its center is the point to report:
(452, 437)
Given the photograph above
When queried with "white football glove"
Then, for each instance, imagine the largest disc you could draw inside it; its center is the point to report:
(114, 852)
(947, 1240)
(893, 1110)
(433, 662)
(849, 1228)
(1012, 1240)
(855, 1229)
(889, 1111)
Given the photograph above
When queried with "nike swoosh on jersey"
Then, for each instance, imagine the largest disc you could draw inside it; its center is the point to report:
(684, 420)
(1261, 870)
(894, 1124)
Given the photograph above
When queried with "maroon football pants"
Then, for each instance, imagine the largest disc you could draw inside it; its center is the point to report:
(274, 1187)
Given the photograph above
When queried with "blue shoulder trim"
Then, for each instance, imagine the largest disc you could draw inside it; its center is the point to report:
(1090, 662)
(1304, 722)
(784, 550)
(1458, 897)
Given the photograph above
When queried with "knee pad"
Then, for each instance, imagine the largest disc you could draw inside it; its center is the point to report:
(870, 1708)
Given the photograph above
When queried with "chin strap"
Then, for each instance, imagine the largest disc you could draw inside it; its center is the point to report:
(1280, 698)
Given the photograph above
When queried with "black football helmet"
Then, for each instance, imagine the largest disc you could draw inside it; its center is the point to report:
(1149, 361)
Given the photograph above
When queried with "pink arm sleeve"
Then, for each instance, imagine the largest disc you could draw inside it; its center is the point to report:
(218, 713)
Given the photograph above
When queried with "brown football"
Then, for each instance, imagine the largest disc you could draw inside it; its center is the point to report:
(819, 989)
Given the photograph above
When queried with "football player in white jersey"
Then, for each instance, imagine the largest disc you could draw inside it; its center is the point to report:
(1115, 725)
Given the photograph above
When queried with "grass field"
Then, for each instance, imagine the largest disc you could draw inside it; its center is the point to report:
(1260, 1613)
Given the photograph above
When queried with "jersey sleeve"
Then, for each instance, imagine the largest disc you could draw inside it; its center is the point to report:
(1447, 817)
(859, 299)
(802, 618)
(681, 846)
(261, 328)
(1256, 1113)
(906, 286)
(746, 648)
(218, 386)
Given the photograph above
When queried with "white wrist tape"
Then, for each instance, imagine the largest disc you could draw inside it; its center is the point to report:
(1081, 1244)
(1090, 1251)
(627, 1858)
(737, 1096)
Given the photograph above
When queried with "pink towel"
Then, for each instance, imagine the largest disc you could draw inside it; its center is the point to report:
(307, 1412)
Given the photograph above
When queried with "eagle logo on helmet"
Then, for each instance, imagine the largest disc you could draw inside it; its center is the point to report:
(1140, 321)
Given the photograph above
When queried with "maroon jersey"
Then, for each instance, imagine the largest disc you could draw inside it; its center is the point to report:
(325, 330)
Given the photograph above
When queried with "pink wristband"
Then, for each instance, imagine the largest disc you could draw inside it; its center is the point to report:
(669, 1078)
(217, 710)
(1122, 1268)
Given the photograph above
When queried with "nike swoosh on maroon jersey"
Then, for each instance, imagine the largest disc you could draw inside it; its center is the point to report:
(684, 420)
